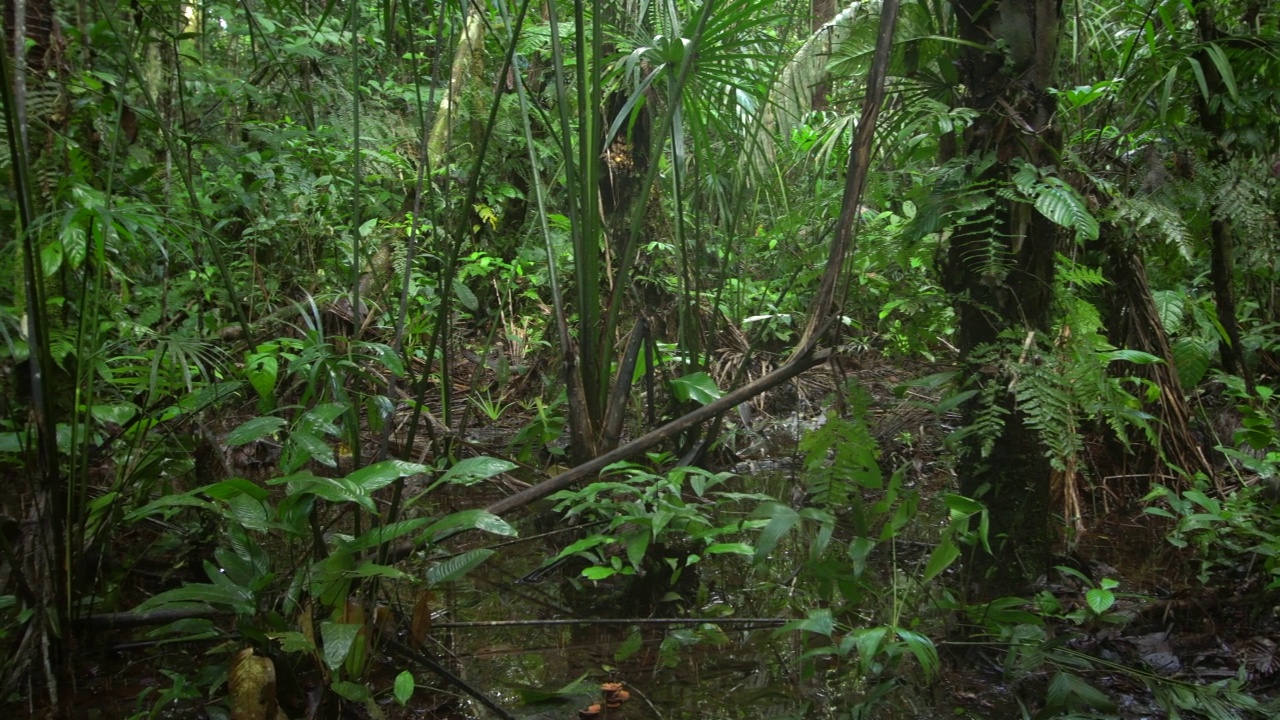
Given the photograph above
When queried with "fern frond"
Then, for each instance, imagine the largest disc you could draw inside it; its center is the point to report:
(1058, 201)
(1070, 273)
(1149, 212)
(1046, 400)
(841, 455)
(985, 250)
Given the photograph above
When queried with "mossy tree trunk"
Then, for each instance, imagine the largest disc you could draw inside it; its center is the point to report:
(1006, 82)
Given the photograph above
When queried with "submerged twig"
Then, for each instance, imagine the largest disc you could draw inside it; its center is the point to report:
(762, 622)
(429, 663)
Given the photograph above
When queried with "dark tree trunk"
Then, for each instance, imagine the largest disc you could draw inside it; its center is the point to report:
(1222, 255)
(1007, 84)
(820, 13)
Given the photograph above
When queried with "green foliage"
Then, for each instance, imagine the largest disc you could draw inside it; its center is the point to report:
(1056, 391)
(642, 510)
(196, 196)
(841, 457)
(541, 433)
(257, 575)
(1226, 534)
(1054, 198)
(1239, 530)
(1033, 648)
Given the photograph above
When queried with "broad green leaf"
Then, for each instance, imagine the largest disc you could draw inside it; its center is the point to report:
(386, 533)
(698, 387)
(51, 258)
(576, 690)
(472, 520)
(262, 371)
(465, 296)
(819, 622)
(74, 245)
(314, 423)
(941, 559)
(353, 691)
(379, 475)
(586, 543)
(1198, 71)
(637, 544)
(1171, 307)
(292, 641)
(314, 447)
(781, 519)
(12, 442)
(923, 648)
(170, 501)
(1137, 357)
(473, 470)
(403, 687)
(1069, 692)
(337, 639)
(227, 489)
(238, 599)
(868, 641)
(730, 548)
(331, 489)
(961, 507)
(370, 569)
(117, 413)
(1223, 65)
(456, 567)
(859, 549)
(254, 429)
(389, 358)
(632, 645)
(249, 512)
(1203, 500)
(599, 573)
(1192, 356)
(202, 399)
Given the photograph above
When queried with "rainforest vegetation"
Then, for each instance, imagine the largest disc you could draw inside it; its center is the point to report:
(640, 358)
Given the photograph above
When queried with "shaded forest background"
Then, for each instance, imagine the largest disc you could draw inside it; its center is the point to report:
(306, 299)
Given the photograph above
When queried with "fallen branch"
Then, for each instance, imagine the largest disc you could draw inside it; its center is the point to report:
(589, 469)
(129, 619)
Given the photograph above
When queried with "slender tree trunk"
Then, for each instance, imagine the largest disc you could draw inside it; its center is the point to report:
(42, 570)
(820, 13)
(1006, 83)
(1222, 253)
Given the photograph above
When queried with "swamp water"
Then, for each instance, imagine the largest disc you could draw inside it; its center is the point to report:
(736, 664)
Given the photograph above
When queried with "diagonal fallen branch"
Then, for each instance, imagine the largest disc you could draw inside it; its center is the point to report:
(589, 469)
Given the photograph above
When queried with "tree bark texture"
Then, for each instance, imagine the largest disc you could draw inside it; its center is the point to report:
(1006, 82)
(1134, 322)
(1222, 254)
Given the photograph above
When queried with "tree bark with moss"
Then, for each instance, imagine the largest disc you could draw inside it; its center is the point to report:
(1006, 70)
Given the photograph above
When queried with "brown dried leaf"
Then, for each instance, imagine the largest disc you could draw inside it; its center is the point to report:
(1260, 656)
(421, 624)
(352, 613)
(251, 684)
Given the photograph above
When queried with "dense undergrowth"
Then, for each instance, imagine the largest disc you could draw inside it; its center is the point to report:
(308, 303)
